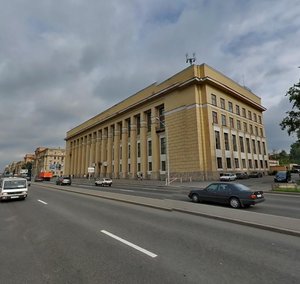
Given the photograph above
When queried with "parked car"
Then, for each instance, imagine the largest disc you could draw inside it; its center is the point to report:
(234, 194)
(38, 179)
(283, 176)
(228, 177)
(103, 182)
(241, 175)
(63, 181)
(255, 175)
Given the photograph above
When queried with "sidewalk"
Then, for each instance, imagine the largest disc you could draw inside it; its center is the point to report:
(286, 225)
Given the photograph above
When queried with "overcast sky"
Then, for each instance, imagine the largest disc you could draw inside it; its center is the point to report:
(62, 62)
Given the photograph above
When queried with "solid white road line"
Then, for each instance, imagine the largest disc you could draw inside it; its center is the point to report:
(130, 244)
(42, 201)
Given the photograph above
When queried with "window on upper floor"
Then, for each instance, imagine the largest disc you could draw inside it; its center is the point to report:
(215, 117)
(244, 112)
(249, 115)
(230, 107)
(223, 120)
(237, 109)
(213, 99)
(222, 103)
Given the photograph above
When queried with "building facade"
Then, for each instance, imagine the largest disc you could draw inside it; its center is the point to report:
(195, 125)
(49, 160)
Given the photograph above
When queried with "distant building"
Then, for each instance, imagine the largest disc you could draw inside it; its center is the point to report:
(195, 125)
(49, 159)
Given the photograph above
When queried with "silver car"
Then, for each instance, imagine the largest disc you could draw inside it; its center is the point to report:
(228, 177)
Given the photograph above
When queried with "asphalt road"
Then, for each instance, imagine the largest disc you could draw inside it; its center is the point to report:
(276, 204)
(61, 237)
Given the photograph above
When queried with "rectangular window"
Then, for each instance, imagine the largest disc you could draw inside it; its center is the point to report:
(219, 163)
(161, 117)
(215, 117)
(266, 164)
(248, 145)
(213, 100)
(226, 141)
(163, 145)
(249, 115)
(250, 164)
(238, 125)
(128, 151)
(128, 126)
(244, 163)
(253, 146)
(242, 144)
(139, 167)
(230, 107)
(163, 165)
(150, 166)
(149, 121)
(256, 164)
(139, 150)
(237, 110)
(264, 148)
(251, 128)
(231, 122)
(261, 164)
(236, 163)
(258, 146)
(223, 120)
(256, 131)
(218, 141)
(259, 119)
(234, 143)
(254, 117)
(245, 127)
(244, 112)
(149, 148)
(138, 124)
(228, 163)
(261, 132)
(222, 102)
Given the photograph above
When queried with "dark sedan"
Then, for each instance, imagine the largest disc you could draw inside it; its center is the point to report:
(235, 194)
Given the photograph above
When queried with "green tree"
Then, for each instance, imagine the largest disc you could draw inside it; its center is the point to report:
(292, 121)
(284, 158)
(295, 153)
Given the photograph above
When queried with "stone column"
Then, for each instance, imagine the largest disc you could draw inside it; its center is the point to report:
(155, 145)
(87, 152)
(133, 147)
(124, 149)
(116, 150)
(75, 168)
(83, 151)
(97, 153)
(143, 139)
(103, 153)
(109, 152)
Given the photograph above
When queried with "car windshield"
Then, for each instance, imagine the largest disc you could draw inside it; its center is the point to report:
(10, 184)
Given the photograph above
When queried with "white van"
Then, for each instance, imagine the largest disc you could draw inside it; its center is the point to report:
(13, 188)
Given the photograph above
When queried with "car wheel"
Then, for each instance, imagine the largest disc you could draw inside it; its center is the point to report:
(195, 198)
(234, 202)
(109, 184)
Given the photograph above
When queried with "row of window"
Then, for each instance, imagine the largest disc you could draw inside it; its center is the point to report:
(257, 146)
(238, 124)
(237, 165)
(243, 113)
(163, 148)
(149, 169)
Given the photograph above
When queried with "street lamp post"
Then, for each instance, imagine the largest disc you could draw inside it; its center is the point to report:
(167, 152)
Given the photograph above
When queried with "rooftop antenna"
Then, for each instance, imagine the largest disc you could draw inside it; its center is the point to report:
(190, 60)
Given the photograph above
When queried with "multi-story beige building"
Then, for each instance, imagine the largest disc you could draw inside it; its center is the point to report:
(49, 160)
(196, 124)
